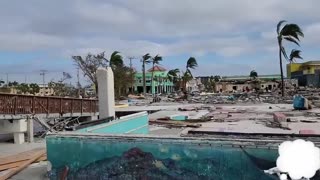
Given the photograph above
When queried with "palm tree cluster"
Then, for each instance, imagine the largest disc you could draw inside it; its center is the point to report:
(181, 78)
(123, 75)
(147, 59)
(291, 33)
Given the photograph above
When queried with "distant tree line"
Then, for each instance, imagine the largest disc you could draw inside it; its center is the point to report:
(22, 88)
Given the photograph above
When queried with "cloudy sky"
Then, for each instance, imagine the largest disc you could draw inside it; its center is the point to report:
(227, 37)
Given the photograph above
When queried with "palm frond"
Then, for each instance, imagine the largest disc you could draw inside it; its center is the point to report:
(146, 57)
(295, 54)
(292, 30)
(279, 26)
(173, 74)
(292, 40)
(156, 59)
(116, 60)
(192, 63)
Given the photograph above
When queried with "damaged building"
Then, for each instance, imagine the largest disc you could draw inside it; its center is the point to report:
(307, 73)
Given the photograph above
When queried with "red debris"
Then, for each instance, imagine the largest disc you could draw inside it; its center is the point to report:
(279, 117)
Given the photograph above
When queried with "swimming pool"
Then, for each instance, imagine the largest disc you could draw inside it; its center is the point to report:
(97, 156)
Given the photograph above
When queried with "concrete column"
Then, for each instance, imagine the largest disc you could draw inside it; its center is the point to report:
(106, 92)
(17, 127)
(30, 130)
(18, 137)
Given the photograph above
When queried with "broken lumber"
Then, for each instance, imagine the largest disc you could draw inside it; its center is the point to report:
(14, 164)
(21, 165)
(19, 157)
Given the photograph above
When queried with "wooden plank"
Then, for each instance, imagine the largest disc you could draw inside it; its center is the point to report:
(19, 157)
(11, 165)
(42, 158)
(23, 165)
(18, 163)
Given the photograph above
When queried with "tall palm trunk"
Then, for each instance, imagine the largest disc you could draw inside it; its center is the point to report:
(281, 70)
(152, 80)
(144, 77)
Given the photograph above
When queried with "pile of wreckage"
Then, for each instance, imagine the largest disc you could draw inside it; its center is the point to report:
(234, 98)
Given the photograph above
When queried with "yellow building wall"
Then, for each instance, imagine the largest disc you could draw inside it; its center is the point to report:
(293, 67)
(310, 69)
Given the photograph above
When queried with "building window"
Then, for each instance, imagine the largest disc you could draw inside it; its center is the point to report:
(234, 87)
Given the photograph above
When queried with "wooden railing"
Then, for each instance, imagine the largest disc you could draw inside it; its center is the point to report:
(14, 104)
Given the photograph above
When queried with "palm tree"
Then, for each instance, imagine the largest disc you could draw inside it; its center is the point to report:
(191, 64)
(155, 60)
(173, 74)
(187, 76)
(289, 32)
(253, 74)
(295, 54)
(145, 60)
(116, 60)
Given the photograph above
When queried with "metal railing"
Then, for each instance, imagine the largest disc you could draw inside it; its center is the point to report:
(15, 104)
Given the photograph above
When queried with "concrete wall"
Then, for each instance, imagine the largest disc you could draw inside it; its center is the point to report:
(230, 87)
(131, 124)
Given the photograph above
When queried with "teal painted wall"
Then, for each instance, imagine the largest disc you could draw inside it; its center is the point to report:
(132, 124)
(91, 157)
(157, 74)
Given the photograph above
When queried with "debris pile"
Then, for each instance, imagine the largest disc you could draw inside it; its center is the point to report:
(234, 98)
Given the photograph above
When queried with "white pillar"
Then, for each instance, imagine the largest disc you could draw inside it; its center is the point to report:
(17, 127)
(30, 129)
(106, 92)
(18, 137)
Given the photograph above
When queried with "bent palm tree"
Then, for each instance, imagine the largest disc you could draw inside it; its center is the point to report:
(145, 60)
(173, 76)
(116, 60)
(191, 64)
(295, 54)
(289, 32)
(155, 60)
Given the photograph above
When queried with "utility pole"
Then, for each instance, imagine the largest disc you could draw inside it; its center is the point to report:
(131, 68)
(78, 83)
(7, 78)
(43, 74)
